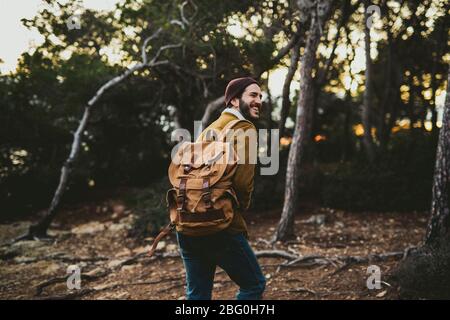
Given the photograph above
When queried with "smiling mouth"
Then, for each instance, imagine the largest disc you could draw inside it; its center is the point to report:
(255, 109)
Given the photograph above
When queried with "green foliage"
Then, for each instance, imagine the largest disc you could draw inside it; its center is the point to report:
(401, 181)
(127, 140)
(41, 108)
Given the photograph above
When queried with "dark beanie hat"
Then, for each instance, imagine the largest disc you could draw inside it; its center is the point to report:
(237, 86)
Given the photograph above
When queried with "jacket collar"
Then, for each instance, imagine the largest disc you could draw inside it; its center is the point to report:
(234, 112)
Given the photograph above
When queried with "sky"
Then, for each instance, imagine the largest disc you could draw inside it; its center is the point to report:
(16, 38)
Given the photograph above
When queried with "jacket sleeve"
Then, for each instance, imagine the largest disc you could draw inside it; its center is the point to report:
(244, 175)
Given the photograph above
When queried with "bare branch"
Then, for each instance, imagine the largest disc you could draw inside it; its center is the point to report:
(295, 260)
(276, 253)
(195, 9)
(160, 63)
(146, 41)
(183, 18)
(158, 53)
(177, 22)
(113, 82)
(210, 108)
(285, 50)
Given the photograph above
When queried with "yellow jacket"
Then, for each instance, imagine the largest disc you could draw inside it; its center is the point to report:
(245, 172)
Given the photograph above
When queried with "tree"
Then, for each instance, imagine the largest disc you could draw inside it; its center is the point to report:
(367, 104)
(286, 104)
(318, 11)
(438, 229)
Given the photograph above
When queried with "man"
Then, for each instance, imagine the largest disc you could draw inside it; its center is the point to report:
(229, 248)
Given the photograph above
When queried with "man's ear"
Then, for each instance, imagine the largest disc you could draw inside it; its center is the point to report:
(235, 102)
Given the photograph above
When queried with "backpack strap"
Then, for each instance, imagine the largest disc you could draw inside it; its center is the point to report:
(181, 198)
(228, 126)
(206, 193)
(161, 235)
(181, 201)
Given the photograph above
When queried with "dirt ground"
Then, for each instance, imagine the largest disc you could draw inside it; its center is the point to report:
(115, 266)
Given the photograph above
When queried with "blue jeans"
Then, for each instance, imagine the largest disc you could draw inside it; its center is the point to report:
(232, 253)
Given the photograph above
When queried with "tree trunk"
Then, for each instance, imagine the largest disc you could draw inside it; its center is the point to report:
(438, 229)
(286, 104)
(322, 73)
(285, 228)
(367, 104)
(346, 135)
(434, 128)
(387, 98)
(396, 79)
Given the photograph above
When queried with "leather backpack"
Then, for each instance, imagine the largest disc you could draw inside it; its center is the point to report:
(202, 200)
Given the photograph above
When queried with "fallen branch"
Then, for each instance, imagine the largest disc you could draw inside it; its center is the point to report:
(72, 295)
(339, 262)
(89, 277)
(322, 294)
(40, 287)
(301, 289)
(264, 241)
(276, 254)
(62, 257)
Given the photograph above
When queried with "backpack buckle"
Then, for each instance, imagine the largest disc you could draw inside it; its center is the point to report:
(180, 203)
(206, 193)
(187, 168)
(207, 199)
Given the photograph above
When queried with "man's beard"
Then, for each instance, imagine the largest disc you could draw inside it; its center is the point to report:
(244, 108)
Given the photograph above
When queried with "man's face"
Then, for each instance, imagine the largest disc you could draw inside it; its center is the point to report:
(250, 102)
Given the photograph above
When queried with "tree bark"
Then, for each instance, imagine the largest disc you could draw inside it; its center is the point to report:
(438, 229)
(285, 228)
(286, 88)
(387, 99)
(434, 128)
(367, 104)
(394, 101)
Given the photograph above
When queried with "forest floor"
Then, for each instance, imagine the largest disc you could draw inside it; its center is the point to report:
(115, 266)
